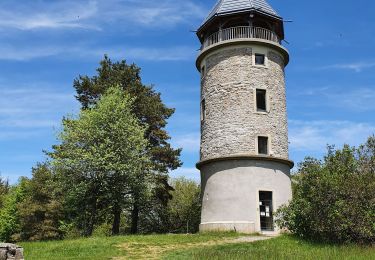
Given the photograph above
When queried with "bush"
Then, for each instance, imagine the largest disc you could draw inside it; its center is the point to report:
(103, 230)
(334, 199)
(69, 230)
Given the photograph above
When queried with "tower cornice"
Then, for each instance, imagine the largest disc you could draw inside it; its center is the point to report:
(245, 157)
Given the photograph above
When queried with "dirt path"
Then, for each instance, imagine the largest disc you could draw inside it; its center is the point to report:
(135, 250)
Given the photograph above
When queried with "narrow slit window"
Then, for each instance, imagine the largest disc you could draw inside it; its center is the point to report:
(203, 108)
(262, 145)
(261, 100)
(260, 59)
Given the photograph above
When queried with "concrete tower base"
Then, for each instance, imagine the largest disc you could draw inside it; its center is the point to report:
(230, 191)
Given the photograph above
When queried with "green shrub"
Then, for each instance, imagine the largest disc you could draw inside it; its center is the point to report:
(103, 230)
(334, 199)
(69, 230)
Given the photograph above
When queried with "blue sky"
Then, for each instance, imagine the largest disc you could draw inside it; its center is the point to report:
(45, 44)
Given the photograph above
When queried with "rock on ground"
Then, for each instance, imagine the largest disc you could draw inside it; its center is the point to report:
(10, 252)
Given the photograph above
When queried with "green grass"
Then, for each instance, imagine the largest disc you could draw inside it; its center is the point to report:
(205, 246)
(284, 247)
(125, 247)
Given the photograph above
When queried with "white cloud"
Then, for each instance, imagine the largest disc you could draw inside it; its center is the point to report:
(359, 99)
(123, 16)
(26, 53)
(6, 135)
(95, 14)
(190, 142)
(158, 13)
(355, 66)
(26, 113)
(153, 54)
(313, 136)
(29, 15)
(16, 101)
(29, 123)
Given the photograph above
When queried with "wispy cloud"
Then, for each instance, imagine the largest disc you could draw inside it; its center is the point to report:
(27, 53)
(158, 13)
(32, 100)
(111, 16)
(180, 53)
(30, 112)
(29, 123)
(313, 136)
(355, 66)
(95, 14)
(18, 135)
(354, 98)
(30, 15)
(189, 142)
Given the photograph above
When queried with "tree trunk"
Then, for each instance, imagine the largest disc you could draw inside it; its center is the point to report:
(116, 220)
(90, 221)
(135, 217)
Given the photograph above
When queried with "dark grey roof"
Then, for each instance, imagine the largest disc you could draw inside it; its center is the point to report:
(223, 7)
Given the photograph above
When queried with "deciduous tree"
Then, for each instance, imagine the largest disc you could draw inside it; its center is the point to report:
(103, 154)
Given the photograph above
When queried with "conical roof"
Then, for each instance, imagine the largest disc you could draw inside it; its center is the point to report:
(224, 7)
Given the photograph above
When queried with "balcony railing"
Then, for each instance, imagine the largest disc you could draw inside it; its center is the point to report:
(240, 32)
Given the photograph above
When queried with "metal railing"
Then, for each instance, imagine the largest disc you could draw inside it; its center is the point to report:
(240, 32)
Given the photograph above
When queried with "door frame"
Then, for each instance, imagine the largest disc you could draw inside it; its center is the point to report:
(259, 227)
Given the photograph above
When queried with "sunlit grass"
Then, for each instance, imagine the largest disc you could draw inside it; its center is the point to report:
(121, 246)
(284, 247)
(204, 246)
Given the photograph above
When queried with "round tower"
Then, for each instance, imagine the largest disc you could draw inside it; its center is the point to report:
(244, 165)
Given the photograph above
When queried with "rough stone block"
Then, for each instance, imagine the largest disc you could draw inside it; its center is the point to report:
(10, 252)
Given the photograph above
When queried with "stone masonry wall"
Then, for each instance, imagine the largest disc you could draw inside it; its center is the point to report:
(232, 123)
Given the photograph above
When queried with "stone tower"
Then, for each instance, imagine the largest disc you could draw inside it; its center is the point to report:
(244, 165)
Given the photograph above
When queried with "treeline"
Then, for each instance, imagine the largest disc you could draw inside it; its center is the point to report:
(108, 174)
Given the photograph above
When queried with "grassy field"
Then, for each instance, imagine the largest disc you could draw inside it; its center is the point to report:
(207, 246)
(284, 247)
